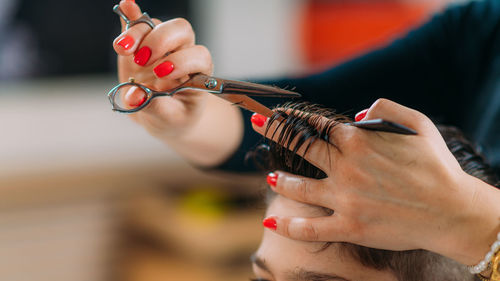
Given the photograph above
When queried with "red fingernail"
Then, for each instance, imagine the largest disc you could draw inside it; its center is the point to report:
(126, 42)
(272, 179)
(130, 0)
(142, 56)
(270, 223)
(138, 102)
(164, 69)
(361, 115)
(258, 119)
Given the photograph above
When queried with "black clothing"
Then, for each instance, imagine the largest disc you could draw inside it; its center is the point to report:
(448, 69)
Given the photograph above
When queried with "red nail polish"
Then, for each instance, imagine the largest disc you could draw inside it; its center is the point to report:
(272, 179)
(258, 119)
(142, 56)
(126, 42)
(270, 223)
(138, 102)
(361, 115)
(164, 69)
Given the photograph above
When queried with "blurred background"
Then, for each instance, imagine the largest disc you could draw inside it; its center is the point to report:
(85, 194)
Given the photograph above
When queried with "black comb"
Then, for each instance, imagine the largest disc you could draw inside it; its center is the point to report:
(383, 126)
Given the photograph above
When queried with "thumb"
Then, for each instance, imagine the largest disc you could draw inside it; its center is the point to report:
(131, 10)
(324, 229)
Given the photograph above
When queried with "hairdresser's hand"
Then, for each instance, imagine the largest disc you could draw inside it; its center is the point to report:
(391, 191)
(162, 58)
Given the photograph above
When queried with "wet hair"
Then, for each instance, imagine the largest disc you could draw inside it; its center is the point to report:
(303, 125)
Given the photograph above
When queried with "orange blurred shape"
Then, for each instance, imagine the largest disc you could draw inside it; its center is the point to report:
(334, 31)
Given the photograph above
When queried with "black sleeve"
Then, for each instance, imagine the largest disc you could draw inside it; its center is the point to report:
(431, 69)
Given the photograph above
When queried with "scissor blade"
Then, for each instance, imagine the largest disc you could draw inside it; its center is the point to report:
(384, 126)
(258, 90)
(248, 104)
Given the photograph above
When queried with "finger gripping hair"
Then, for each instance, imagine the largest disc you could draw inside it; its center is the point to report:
(303, 124)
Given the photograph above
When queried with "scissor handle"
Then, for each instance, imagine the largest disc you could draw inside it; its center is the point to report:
(145, 18)
(115, 96)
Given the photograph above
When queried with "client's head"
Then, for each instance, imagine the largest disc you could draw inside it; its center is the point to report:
(279, 258)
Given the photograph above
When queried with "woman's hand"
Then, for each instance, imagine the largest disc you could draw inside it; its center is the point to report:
(392, 191)
(161, 58)
(199, 126)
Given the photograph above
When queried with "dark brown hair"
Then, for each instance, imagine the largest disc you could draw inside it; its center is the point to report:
(303, 125)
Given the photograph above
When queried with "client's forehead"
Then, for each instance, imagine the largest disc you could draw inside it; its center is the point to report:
(282, 206)
(287, 259)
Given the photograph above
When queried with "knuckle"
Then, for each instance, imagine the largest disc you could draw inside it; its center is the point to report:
(350, 206)
(204, 52)
(310, 232)
(183, 23)
(380, 105)
(303, 189)
(286, 228)
(353, 141)
(420, 118)
(353, 138)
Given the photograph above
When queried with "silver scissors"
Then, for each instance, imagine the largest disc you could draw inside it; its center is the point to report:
(236, 92)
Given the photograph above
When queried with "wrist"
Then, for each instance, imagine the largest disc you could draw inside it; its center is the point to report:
(475, 229)
(212, 138)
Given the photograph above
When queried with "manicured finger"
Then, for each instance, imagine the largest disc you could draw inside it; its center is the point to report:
(165, 38)
(298, 188)
(182, 63)
(360, 115)
(127, 42)
(317, 152)
(324, 229)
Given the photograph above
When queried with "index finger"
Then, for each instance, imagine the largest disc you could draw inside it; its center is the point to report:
(317, 142)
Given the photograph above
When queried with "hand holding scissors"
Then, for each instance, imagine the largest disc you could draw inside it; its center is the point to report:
(236, 92)
(131, 96)
(161, 56)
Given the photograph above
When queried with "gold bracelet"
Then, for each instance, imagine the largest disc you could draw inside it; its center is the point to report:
(495, 269)
(486, 262)
(495, 265)
(482, 278)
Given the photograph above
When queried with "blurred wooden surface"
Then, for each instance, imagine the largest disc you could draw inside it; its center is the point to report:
(67, 165)
(62, 132)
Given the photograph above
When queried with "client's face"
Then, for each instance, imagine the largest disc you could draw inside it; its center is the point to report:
(283, 259)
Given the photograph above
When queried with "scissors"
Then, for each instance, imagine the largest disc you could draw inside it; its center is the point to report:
(236, 92)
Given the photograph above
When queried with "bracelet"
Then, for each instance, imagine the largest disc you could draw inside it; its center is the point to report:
(486, 262)
(482, 278)
(495, 273)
